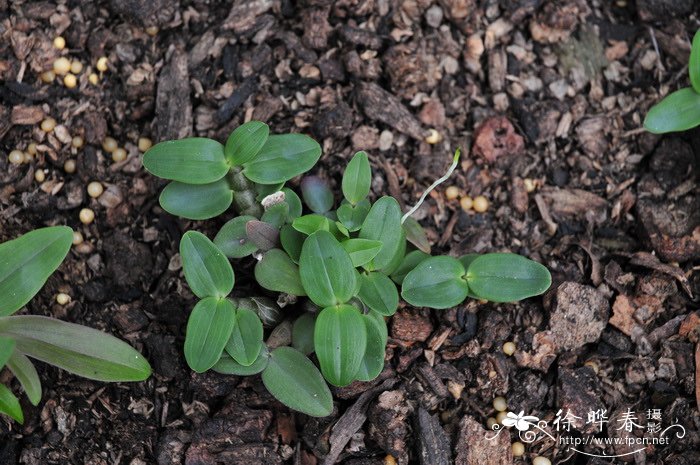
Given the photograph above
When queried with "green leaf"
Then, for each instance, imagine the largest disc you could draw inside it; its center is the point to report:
(303, 333)
(276, 215)
(679, 111)
(292, 240)
(267, 310)
(207, 270)
(351, 216)
(694, 63)
(7, 347)
(379, 293)
(340, 340)
(293, 380)
(309, 224)
(317, 195)
(383, 223)
(9, 404)
(361, 251)
(437, 282)
(263, 190)
(232, 238)
(246, 339)
(228, 366)
(208, 330)
(195, 160)
(245, 142)
(409, 262)
(277, 272)
(77, 349)
(326, 270)
(27, 262)
(26, 374)
(357, 178)
(467, 259)
(415, 234)
(398, 257)
(294, 202)
(505, 277)
(283, 157)
(196, 202)
(373, 360)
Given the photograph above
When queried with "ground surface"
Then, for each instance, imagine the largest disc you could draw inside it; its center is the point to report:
(539, 94)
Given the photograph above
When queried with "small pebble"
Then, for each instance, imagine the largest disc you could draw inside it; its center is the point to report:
(16, 157)
(28, 157)
(95, 189)
(77, 142)
(109, 144)
(466, 203)
(530, 185)
(76, 67)
(47, 77)
(539, 460)
(501, 416)
(61, 66)
(500, 404)
(59, 42)
(69, 166)
(94, 79)
(77, 238)
(144, 143)
(31, 149)
(48, 124)
(509, 348)
(481, 204)
(70, 81)
(87, 216)
(152, 31)
(119, 155)
(518, 449)
(451, 192)
(39, 175)
(101, 64)
(62, 298)
(433, 137)
(490, 422)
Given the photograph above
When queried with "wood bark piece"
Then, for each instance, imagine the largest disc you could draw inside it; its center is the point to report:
(380, 105)
(173, 104)
(433, 445)
(474, 447)
(243, 14)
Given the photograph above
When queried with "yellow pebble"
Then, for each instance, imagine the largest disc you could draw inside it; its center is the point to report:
(47, 77)
(93, 79)
(31, 149)
(539, 460)
(77, 142)
(62, 298)
(61, 66)
(109, 145)
(152, 30)
(48, 124)
(87, 216)
(518, 449)
(28, 157)
(389, 460)
(59, 42)
(434, 137)
(77, 238)
(490, 422)
(39, 175)
(593, 365)
(69, 166)
(500, 404)
(481, 204)
(501, 416)
(76, 67)
(95, 189)
(16, 157)
(144, 143)
(101, 64)
(509, 348)
(530, 185)
(119, 155)
(451, 193)
(466, 203)
(70, 81)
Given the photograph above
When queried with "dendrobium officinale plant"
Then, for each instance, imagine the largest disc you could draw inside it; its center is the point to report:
(25, 265)
(680, 110)
(329, 277)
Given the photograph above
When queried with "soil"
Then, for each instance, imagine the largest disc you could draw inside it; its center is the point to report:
(546, 100)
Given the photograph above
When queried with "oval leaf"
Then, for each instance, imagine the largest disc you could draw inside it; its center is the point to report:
(326, 270)
(679, 111)
(9, 404)
(694, 63)
(293, 380)
(292, 240)
(303, 333)
(228, 366)
(437, 282)
(383, 223)
(351, 216)
(27, 262)
(379, 293)
(246, 339)
(77, 349)
(415, 234)
(208, 330)
(276, 215)
(357, 178)
(7, 348)
(373, 360)
(409, 262)
(232, 238)
(506, 277)
(207, 270)
(195, 160)
(245, 142)
(265, 236)
(26, 374)
(196, 202)
(277, 272)
(294, 202)
(317, 195)
(309, 224)
(283, 157)
(340, 340)
(361, 251)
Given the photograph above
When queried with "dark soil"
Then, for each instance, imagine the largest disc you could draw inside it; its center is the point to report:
(539, 94)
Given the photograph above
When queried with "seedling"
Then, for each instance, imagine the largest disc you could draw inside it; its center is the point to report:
(25, 265)
(337, 272)
(680, 110)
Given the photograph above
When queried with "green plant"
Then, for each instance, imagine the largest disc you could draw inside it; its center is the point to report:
(25, 265)
(343, 265)
(679, 110)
